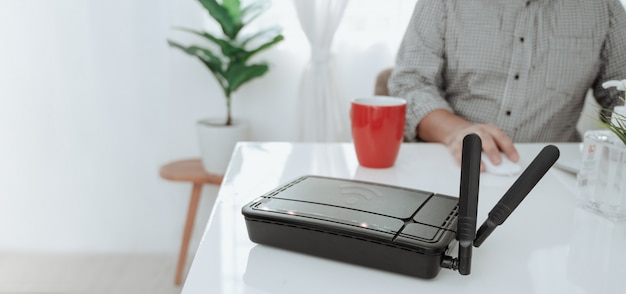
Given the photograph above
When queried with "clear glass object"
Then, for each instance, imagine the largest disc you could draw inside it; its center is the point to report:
(602, 177)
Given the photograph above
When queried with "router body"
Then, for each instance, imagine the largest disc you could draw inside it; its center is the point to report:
(380, 226)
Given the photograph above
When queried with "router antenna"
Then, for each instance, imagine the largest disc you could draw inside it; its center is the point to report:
(468, 201)
(468, 205)
(518, 191)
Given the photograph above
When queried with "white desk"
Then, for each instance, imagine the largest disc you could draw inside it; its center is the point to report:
(547, 245)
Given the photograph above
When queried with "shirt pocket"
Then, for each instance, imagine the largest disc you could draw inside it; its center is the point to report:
(572, 63)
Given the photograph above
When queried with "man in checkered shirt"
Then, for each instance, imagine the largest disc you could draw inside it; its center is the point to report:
(510, 71)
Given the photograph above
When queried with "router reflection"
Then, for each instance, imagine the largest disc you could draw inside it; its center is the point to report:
(319, 275)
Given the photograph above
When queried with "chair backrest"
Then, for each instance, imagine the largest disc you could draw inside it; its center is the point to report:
(381, 88)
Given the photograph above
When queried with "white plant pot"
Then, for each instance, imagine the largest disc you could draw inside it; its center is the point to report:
(217, 142)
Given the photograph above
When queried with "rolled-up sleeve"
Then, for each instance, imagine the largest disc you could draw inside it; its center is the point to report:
(417, 75)
(613, 55)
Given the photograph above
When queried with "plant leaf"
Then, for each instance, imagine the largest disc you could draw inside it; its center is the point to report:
(234, 9)
(246, 55)
(267, 45)
(209, 59)
(240, 74)
(253, 10)
(222, 16)
(615, 123)
(202, 53)
(227, 47)
(219, 76)
(261, 34)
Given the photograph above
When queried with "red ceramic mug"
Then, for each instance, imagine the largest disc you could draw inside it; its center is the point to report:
(377, 129)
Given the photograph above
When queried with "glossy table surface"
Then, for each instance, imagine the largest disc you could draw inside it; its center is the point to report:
(548, 245)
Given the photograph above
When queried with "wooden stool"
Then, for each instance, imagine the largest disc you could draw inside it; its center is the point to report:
(189, 170)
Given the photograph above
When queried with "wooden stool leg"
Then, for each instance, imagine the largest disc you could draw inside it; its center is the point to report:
(191, 217)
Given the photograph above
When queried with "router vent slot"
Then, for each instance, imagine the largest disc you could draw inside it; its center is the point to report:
(453, 215)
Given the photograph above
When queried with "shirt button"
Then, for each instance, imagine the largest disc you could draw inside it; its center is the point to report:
(508, 113)
(527, 3)
(517, 77)
(521, 39)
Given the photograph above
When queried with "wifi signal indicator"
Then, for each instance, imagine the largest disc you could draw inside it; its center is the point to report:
(357, 193)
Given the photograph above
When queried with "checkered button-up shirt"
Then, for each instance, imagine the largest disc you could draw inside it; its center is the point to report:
(524, 66)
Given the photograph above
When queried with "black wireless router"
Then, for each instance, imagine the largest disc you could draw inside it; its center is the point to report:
(396, 229)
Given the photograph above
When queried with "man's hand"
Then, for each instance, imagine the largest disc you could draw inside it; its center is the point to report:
(494, 142)
(449, 129)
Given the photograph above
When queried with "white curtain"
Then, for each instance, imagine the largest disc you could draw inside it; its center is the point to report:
(323, 117)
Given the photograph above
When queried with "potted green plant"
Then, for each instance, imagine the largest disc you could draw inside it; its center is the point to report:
(228, 58)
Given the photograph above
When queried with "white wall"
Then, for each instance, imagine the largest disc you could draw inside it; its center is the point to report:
(93, 102)
(84, 124)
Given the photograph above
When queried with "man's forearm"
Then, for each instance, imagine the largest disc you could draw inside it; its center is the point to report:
(445, 127)
(440, 126)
